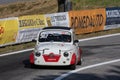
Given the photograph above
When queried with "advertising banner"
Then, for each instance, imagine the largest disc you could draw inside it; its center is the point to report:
(86, 21)
(8, 30)
(113, 18)
(27, 35)
(32, 21)
(29, 26)
(57, 19)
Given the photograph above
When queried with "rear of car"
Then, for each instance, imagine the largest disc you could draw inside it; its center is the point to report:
(55, 47)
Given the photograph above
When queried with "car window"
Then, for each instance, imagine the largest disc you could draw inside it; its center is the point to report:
(55, 36)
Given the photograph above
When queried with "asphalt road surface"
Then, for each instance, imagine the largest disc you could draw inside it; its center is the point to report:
(16, 67)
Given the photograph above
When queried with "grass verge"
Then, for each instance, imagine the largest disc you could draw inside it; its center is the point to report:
(28, 8)
(94, 4)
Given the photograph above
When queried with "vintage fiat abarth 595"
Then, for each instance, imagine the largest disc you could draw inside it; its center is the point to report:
(56, 46)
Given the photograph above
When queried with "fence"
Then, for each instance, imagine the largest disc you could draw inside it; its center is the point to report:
(25, 28)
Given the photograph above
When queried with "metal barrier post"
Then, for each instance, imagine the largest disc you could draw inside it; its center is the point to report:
(64, 5)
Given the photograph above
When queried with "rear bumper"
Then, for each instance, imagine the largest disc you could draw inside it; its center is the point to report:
(60, 63)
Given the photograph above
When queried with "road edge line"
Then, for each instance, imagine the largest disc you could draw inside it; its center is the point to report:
(16, 52)
(98, 37)
(87, 67)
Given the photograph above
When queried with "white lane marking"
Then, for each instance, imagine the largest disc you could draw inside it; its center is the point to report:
(84, 68)
(17, 52)
(110, 35)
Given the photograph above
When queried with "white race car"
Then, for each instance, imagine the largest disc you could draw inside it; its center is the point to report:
(56, 46)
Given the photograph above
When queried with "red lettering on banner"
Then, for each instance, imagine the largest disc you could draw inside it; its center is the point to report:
(1, 30)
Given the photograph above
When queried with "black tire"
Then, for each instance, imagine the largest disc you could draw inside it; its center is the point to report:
(32, 65)
(80, 62)
(73, 67)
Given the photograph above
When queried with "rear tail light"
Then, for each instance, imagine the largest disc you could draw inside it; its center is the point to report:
(32, 58)
(73, 60)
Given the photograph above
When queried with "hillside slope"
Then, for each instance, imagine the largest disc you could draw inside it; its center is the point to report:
(28, 8)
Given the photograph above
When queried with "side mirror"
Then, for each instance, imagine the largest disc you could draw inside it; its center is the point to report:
(76, 41)
(34, 40)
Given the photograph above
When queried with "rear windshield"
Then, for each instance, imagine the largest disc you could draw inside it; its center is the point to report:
(55, 36)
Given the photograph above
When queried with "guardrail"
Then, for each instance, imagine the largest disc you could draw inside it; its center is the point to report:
(21, 29)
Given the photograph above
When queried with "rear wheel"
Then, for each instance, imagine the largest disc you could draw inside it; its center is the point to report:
(32, 65)
(80, 62)
(73, 67)
(80, 57)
